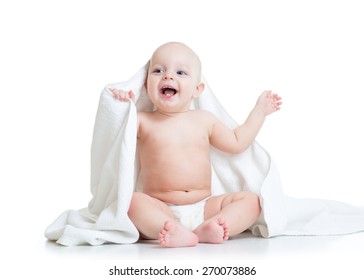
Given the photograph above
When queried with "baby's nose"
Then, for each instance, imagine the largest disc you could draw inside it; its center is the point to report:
(167, 76)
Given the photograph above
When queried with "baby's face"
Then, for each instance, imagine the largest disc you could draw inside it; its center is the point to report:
(173, 77)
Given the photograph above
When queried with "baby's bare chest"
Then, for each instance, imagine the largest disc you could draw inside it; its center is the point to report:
(175, 134)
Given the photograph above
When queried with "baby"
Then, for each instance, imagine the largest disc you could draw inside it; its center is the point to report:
(176, 205)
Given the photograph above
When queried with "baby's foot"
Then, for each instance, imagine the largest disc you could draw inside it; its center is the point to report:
(175, 235)
(212, 231)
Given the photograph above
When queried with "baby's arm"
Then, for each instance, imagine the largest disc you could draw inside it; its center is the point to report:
(238, 140)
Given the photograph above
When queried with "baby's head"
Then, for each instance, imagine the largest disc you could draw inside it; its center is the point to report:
(174, 76)
(177, 50)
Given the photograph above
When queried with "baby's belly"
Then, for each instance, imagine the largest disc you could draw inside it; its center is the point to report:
(178, 184)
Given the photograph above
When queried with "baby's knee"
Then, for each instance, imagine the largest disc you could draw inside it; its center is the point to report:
(138, 196)
(254, 202)
(137, 199)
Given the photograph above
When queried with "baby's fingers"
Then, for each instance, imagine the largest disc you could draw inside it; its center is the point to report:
(277, 106)
(277, 102)
(276, 97)
(120, 95)
(115, 92)
(131, 95)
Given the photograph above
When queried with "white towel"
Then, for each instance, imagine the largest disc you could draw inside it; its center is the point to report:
(115, 173)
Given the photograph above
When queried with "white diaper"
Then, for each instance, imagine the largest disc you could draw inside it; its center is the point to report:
(190, 215)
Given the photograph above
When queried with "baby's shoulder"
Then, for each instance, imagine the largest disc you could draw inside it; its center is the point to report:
(143, 118)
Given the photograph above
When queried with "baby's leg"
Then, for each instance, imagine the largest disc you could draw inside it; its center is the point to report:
(228, 215)
(154, 220)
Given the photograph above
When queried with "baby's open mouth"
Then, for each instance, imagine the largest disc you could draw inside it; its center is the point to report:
(168, 91)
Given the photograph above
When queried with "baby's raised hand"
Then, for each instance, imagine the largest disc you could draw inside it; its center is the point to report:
(123, 95)
(269, 102)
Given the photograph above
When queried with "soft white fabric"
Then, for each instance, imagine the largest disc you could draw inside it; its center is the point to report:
(189, 215)
(115, 173)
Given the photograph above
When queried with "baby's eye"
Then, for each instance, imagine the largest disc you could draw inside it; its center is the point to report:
(157, 71)
(181, 72)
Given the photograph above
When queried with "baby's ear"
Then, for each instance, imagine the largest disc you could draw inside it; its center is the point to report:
(199, 89)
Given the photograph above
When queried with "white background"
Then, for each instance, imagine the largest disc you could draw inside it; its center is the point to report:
(56, 57)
